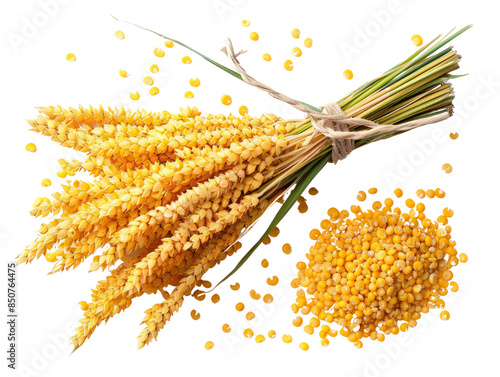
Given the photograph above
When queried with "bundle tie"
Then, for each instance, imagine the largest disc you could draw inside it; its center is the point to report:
(332, 122)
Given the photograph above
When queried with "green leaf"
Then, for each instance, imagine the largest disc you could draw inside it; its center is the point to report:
(307, 175)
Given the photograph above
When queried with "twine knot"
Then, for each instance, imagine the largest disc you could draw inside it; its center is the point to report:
(332, 122)
(328, 127)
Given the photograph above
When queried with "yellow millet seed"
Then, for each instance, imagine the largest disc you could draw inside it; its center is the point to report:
(209, 345)
(254, 36)
(287, 248)
(268, 298)
(308, 42)
(46, 182)
(71, 57)
(248, 333)
(159, 52)
(297, 52)
(194, 82)
(304, 346)
(296, 33)
(417, 40)
(226, 99)
(348, 74)
(260, 338)
(243, 110)
(30, 147)
(266, 57)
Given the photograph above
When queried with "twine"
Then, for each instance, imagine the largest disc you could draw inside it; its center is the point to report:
(332, 122)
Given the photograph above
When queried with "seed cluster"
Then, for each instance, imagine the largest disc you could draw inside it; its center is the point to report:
(376, 273)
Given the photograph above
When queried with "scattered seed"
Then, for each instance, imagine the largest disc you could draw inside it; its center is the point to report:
(31, 147)
(440, 193)
(296, 33)
(154, 91)
(46, 182)
(421, 193)
(187, 60)
(209, 345)
(447, 168)
(297, 321)
(159, 52)
(123, 73)
(240, 306)
(71, 57)
(264, 263)
(188, 94)
(254, 295)
(373, 190)
(120, 34)
(135, 96)
(199, 295)
(260, 338)
(267, 240)
(215, 298)
(268, 298)
(169, 44)
(266, 57)
(454, 136)
(287, 338)
(243, 110)
(194, 82)
(226, 328)
(417, 40)
(297, 52)
(148, 81)
(245, 22)
(272, 281)
(288, 65)
(463, 258)
(154, 68)
(444, 315)
(206, 284)
(304, 346)
(274, 232)
(254, 36)
(195, 315)
(271, 334)
(248, 333)
(287, 248)
(226, 99)
(249, 316)
(235, 286)
(308, 42)
(303, 207)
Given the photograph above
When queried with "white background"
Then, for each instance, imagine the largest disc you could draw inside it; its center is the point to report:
(36, 73)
